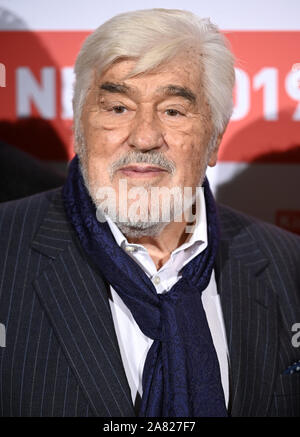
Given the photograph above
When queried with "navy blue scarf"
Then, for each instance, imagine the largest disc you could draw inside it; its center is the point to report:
(181, 376)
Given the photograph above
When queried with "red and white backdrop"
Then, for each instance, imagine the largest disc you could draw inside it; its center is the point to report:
(259, 160)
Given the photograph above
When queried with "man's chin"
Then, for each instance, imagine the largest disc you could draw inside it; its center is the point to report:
(141, 229)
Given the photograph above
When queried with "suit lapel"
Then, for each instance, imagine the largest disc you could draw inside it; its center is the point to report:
(250, 316)
(76, 300)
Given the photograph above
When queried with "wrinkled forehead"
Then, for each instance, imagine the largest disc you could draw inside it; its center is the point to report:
(189, 57)
(182, 71)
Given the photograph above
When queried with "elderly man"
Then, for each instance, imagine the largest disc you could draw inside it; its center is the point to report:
(118, 301)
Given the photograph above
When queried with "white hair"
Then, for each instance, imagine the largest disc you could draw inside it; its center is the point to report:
(152, 37)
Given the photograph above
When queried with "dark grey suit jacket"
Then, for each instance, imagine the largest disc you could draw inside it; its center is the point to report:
(62, 357)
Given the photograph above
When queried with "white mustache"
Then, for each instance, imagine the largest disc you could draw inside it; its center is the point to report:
(154, 158)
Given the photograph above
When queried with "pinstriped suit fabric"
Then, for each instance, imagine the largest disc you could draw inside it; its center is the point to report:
(33, 382)
(259, 266)
(37, 373)
(61, 356)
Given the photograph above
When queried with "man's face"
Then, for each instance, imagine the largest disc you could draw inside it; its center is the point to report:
(151, 130)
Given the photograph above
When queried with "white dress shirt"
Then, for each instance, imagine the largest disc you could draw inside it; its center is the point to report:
(134, 345)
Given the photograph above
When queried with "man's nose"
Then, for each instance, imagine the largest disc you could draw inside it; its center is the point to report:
(146, 131)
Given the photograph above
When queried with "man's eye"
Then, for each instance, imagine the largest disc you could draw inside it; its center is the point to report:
(173, 112)
(118, 109)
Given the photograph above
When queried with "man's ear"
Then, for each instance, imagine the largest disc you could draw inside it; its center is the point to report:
(214, 153)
